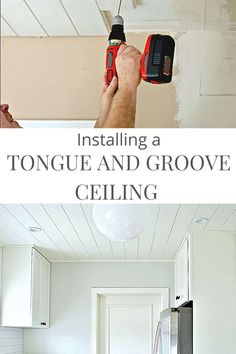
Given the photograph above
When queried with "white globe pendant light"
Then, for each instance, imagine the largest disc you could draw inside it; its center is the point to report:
(120, 222)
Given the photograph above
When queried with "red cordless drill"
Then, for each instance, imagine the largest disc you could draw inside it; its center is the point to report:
(116, 38)
(157, 59)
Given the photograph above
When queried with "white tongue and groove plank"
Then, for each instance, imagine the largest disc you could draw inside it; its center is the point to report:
(78, 220)
(66, 229)
(18, 14)
(223, 215)
(43, 220)
(108, 5)
(86, 16)
(21, 214)
(204, 211)
(119, 250)
(146, 237)
(230, 224)
(102, 242)
(165, 223)
(6, 29)
(53, 17)
(181, 225)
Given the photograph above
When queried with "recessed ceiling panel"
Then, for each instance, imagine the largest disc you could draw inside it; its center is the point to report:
(218, 74)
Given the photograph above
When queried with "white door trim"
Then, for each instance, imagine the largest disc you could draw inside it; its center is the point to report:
(96, 292)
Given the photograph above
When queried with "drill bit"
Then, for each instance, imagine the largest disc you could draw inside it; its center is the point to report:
(119, 7)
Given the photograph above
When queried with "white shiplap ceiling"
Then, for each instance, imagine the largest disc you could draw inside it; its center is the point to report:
(69, 234)
(93, 17)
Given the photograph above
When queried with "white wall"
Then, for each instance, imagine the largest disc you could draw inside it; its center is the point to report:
(10, 338)
(214, 292)
(71, 284)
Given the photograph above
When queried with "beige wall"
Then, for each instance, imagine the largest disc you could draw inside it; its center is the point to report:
(60, 78)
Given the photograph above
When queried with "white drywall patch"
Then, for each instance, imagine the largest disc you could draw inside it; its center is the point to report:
(218, 74)
(205, 81)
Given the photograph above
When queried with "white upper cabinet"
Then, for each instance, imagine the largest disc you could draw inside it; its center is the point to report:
(25, 288)
(182, 275)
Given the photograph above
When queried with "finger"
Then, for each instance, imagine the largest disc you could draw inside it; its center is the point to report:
(104, 83)
(132, 51)
(112, 87)
(14, 124)
(8, 116)
(121, 49)
(4, 107)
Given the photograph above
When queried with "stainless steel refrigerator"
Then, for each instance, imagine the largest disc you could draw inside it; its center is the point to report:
(174, 333)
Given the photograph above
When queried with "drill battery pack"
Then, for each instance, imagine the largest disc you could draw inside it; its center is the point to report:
(157, 59)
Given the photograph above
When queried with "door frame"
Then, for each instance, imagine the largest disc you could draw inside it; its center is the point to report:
(97, 292)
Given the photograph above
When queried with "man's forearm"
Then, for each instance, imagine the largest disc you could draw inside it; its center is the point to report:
(123, 109)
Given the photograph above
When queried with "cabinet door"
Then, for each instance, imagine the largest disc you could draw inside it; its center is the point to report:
(40, 290)
(182, 275)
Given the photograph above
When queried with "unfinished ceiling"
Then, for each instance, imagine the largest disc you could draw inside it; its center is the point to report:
(69, 234)
(93, 17)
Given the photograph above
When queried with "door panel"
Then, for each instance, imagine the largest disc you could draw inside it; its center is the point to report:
(128, 323)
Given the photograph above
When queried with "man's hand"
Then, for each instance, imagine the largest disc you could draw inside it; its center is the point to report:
(6, 120)
(118, 101)
(108, 92)
(128, 67)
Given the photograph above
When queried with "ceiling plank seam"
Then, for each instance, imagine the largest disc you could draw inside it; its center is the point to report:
(91, 231)
(22, 225)
(112, 252)
(217, 208)
(228, 219)
(154, 232)
(76, 232)
(188, 228)
(65, 239)
(36, 18)
(68, 15)
(8, 24)
(172, 227)
(13, 231)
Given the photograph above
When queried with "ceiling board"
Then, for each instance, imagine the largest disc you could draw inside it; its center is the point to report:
(230, 224)
(65, 228)
(90, 17)
(104, 245)
(185, 217)
(42, 219)
(79, 222)
(146, 238)
(19, 16)
(118, 250)
(222, 215)
(131, 249)
(53, 17)
(86, 16)
(69, 234)
(204, 211)
(164, 225)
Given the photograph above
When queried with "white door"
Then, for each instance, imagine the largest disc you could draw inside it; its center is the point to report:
(128, 323)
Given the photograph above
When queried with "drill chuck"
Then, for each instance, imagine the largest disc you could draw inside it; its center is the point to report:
(117, 30)
(117, 20)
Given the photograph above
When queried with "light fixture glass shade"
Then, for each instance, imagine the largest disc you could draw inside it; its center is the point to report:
(120, 222)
